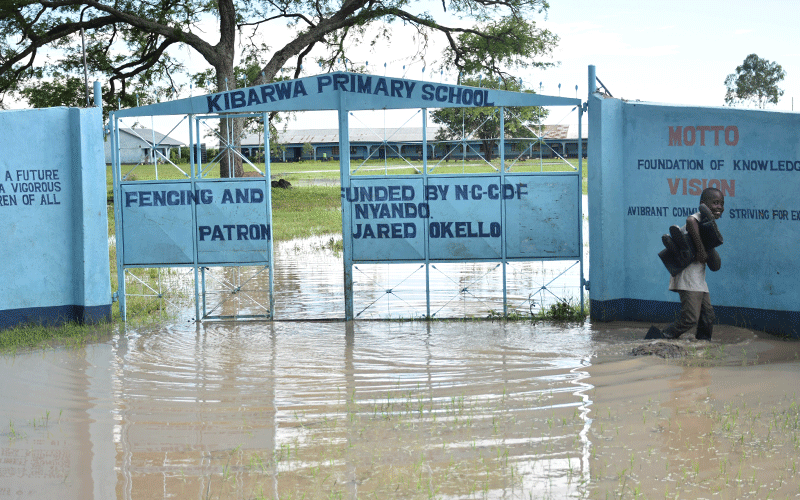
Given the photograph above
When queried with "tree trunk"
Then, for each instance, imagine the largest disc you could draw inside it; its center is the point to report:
(230, 130)
(488, 149)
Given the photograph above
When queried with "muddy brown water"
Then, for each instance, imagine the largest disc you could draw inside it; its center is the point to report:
(374, 409)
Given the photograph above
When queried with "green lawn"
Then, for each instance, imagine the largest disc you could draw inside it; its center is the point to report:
(329, 171)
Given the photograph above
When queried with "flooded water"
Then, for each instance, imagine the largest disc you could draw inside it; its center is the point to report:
(275, 410)
(309, 284)
(396, 409)
(368, 409)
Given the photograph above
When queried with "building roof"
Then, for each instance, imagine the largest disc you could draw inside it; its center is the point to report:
(147, 135)
(393, 135)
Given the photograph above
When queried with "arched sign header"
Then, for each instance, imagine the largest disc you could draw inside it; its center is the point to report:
(346, 91)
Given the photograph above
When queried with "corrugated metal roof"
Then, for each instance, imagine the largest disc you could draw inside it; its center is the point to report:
(147, 135)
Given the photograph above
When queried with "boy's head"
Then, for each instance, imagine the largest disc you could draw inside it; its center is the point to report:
(714, 200)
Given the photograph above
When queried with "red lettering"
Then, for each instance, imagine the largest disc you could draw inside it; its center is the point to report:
(728, 190)
(734, 130)
(686, 140)
(717, 129)
(687, 136)
(675, 136)
(673, 188)
(703, 129)
(694, 187)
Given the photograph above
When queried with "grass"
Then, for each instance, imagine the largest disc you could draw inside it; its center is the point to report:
(561, 311)
(705, 447)
(329, 171)
(306, 211)
(44, 336)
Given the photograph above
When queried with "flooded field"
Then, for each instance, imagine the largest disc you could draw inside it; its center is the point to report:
(309, 284)
(375, 409)
(448, 409)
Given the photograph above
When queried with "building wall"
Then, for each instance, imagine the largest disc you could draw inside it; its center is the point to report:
(54, 256)
(650, 163)
(375, 151)
(133, 150)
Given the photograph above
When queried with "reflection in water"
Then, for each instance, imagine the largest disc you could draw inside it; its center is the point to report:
(282, 410)
(309, 284)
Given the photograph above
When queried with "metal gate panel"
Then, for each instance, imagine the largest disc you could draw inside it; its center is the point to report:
(386, 214)
(466, 218)
(543, 218)
(488, 217)
(160, 234)
(212, 226)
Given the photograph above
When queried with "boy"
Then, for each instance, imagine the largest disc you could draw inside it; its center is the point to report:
(691, 282)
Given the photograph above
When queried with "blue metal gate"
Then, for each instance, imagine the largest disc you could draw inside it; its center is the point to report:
(499, 214)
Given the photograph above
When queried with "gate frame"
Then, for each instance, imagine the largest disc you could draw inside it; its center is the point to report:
(292, 95)
(195, 175)
(345, 179)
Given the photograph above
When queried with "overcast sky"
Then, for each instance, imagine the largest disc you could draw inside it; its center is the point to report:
(678, 51)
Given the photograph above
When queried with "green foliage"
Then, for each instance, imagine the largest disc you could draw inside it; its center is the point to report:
(70, 334)
(306, 211)
(484, 123)
(563, 311)
(560, 311)
(756, 80)
(133, 47)
(308, 149)
(62, 90)
(503, 44)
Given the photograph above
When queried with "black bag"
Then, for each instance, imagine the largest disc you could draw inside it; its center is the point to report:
(679, 249)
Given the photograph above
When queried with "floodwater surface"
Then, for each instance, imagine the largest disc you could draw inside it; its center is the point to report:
(374, 409)
(309, 284)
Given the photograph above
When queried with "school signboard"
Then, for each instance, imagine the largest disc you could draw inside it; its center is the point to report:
(227, 220)
(456, 218)
(650, 163)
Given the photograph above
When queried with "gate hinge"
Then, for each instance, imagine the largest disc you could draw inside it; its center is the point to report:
(585, 106)
(585, 283)
(115, 296)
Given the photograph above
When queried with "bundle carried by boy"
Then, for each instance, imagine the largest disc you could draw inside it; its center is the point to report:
(679, 250)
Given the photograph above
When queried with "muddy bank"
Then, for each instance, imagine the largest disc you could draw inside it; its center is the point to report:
(723, 422)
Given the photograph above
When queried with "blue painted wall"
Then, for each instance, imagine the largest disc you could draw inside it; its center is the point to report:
(54, 257)
(649, 164)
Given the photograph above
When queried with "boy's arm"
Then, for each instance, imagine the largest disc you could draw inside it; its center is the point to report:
(693, 228)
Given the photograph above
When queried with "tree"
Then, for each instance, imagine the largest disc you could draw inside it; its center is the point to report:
(484, 123)
(132, 42)
(60, 91)
(755, 80)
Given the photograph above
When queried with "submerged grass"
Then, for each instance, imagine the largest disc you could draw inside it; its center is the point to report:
(46, 336)
(561, 311)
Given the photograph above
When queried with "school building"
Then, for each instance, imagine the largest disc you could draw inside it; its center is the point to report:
(406, 142)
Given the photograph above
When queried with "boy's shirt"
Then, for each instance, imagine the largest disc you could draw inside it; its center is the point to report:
(693, 278)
